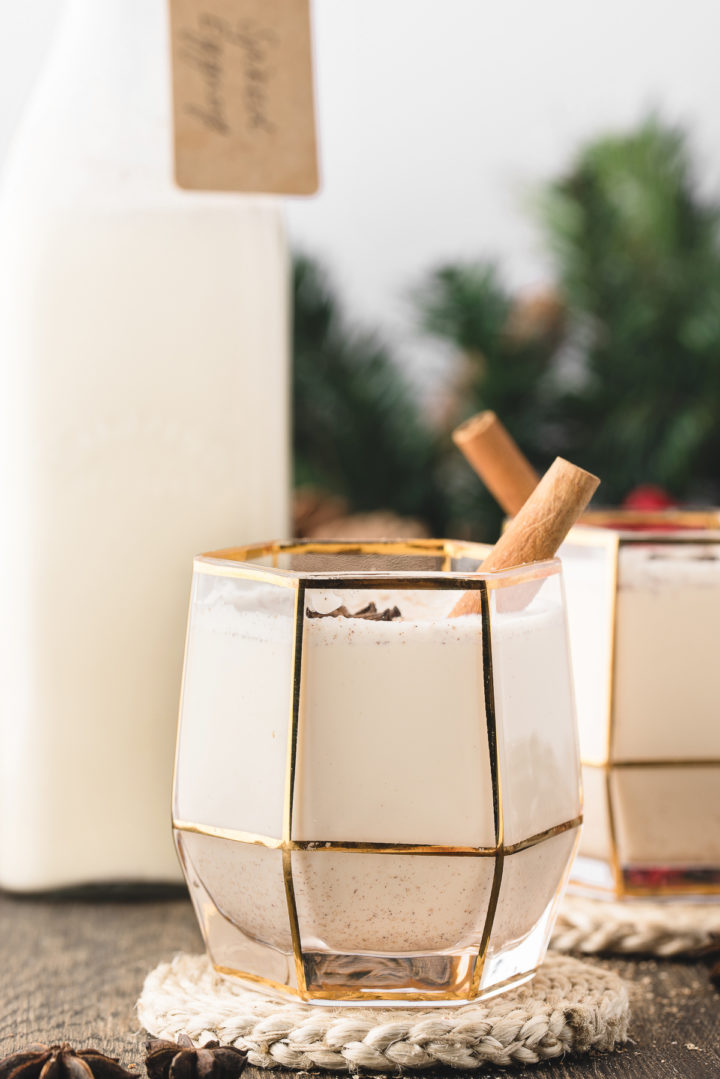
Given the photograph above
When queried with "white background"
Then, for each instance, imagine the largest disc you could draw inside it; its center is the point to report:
(438, 119)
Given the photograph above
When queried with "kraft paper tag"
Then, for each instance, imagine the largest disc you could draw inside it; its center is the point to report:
(243, 103)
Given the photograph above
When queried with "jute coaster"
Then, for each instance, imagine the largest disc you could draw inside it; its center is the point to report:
(569, 1007)
(636, 927)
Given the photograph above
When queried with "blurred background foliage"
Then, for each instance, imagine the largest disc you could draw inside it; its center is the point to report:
(359, 430)
(617, 367)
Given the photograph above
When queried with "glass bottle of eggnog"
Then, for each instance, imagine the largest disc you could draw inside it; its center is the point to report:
(143, 418)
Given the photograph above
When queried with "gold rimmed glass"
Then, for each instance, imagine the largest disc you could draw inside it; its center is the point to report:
(384, 808)
(643, 594)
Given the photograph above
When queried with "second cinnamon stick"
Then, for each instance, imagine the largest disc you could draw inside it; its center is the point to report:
(497, 459)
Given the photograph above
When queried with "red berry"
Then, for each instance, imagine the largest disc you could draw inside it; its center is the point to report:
(648, 497)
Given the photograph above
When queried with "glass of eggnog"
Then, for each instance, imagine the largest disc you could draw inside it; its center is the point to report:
(376, 801)
(643, 595)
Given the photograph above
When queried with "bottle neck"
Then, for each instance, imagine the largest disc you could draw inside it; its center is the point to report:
(99, 129)
(117, 16)
(101, 112)
(118, 40)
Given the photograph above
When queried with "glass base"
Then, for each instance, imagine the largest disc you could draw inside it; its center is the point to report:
(598, 879)
(468, 946)
(358, 994)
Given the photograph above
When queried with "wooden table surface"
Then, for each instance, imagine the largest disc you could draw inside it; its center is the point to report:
(72, 969)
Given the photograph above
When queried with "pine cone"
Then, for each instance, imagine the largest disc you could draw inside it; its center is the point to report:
(538, 316)
(313, 507)
(62, 1062)
(168, 1060)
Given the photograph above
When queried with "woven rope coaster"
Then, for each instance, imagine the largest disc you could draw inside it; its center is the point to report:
(569, 1007)
(636, 927)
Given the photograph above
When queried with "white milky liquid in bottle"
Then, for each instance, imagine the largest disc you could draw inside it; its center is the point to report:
(143, 418)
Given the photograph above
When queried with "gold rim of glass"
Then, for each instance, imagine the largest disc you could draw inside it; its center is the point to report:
(601, 529)
(243, 562)
(666, 526)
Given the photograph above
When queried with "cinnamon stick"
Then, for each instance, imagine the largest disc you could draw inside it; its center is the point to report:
(497, 459)
(536, 532)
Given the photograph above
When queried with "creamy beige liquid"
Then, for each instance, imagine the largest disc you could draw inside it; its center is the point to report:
(667, 682)
(392, 748)
(665, 686)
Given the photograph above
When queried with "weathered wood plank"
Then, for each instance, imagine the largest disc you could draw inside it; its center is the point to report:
(72, 970)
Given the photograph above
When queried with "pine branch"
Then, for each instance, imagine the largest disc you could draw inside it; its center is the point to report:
(359, 430)
(638, 257)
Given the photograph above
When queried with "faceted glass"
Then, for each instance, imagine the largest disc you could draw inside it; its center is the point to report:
(643, 594)
(355, 805)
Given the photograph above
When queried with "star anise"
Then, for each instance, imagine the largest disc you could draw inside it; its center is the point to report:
(370, 613)
(62, 1062)
(181, 1060)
